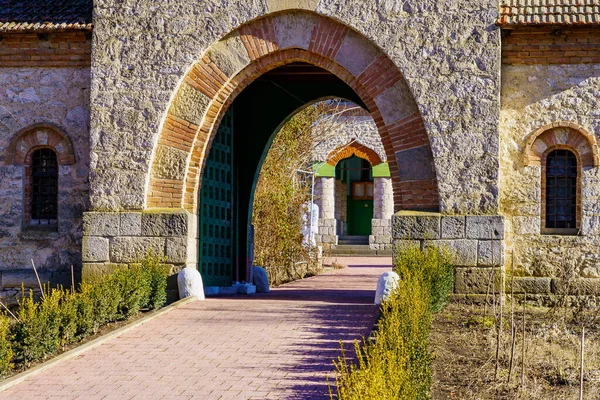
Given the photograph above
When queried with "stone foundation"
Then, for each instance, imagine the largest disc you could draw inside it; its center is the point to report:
(113, 239)
(469, 237)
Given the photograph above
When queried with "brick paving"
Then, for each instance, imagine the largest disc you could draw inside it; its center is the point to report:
(266, 346)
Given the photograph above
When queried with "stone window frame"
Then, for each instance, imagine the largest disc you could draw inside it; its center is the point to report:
(20, 151)
(561, 135)
(562, 231)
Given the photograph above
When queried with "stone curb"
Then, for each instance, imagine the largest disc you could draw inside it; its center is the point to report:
(20, 377)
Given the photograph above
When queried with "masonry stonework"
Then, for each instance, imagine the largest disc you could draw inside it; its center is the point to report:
(466, 117)
(37, 103)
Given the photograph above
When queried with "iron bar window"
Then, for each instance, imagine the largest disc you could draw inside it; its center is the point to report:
(44, 187)
(561, 190)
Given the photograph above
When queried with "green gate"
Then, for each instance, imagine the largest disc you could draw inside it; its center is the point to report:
(216, 209)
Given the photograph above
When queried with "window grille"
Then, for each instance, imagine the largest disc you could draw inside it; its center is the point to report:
(561, 190)
(44, 187)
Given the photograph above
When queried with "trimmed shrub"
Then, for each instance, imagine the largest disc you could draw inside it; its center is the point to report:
(6, 350)
(434, 267)
(397, 364)
(62, 316)
(157, 274)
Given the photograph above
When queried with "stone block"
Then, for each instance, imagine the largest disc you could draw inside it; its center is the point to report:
(131, 224)
(293, 30)
(484, 252)
(25, 277)
(485, 227)
(453, 227)
(164, 224)
(94, 249)
(356, 54)
(170, 163)
(386, 286)
(530, 285)
(101, 224)
(402, 244)
(579, 287)
(416, 226)
(260, 279)
(464, 251)
(189, 282)
(475, 280)
(176, 251)
(415, 164)
(189, 104)
(133, 249)
(90, 272)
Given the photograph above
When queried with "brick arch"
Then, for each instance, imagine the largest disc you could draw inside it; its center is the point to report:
(356, 149)
(227, 67)
(564, 135)
(39, 136)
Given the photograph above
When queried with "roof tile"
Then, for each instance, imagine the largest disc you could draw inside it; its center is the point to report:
(549, 12)
(45, 15)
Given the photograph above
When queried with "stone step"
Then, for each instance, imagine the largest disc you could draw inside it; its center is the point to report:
(357, 250)
(353, 240)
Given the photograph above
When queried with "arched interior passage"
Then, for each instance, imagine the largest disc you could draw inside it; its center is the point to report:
(354, 185)
(232, 82)
(235, 157)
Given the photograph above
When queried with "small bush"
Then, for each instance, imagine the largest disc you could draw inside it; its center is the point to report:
(433, 265)
(397, 364)
(62, 316)
(157, 274)
(6, 350)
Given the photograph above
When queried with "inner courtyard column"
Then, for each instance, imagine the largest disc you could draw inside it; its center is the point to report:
(383, 209)
(325, 199)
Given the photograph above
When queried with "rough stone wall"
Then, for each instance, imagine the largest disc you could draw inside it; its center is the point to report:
(354, 129)
(324, 198)
(534, 96)
(477, 244)
(383, 209)
(29, 96)
(341, 206)
(446, 50)
(114, 239)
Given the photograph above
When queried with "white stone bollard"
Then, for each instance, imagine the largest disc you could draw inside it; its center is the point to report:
(386, 285)
(189, 282)
(260, 279)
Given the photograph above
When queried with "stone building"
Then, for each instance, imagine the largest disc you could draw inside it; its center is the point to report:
(135, 126)
(353, 188)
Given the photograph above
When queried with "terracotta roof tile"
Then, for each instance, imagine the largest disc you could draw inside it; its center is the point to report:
(45, 15)
(549, 12)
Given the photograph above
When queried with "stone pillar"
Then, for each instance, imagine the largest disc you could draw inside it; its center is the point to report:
(325, 199)
(470, 238)
(383, 209)
(114, 239)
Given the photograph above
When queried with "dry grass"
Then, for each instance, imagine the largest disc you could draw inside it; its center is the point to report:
(464, 345)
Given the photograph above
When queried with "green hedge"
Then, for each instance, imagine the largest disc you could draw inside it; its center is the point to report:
(62, 317)
(397, 364)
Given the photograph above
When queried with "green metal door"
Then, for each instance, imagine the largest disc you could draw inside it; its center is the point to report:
(216, 209)
(360, 214)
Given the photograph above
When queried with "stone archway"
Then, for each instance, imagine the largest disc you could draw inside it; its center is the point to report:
(226, 68)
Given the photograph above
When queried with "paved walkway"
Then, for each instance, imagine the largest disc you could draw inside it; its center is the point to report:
(269, 346)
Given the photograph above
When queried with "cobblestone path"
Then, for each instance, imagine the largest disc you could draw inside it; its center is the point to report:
(268, 346)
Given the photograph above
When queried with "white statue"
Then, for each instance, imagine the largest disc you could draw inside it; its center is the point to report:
(311, 224)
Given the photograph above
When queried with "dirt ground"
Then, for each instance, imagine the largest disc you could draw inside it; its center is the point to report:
(464, 346)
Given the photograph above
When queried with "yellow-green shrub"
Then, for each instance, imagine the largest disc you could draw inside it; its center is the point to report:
(6, 351)
(62, 317)
(397, 364)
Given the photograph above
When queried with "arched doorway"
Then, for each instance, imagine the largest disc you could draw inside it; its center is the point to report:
(354, 188)
(261, 73)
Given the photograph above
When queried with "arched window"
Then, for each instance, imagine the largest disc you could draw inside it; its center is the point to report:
(44, 188)
(561, 190)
